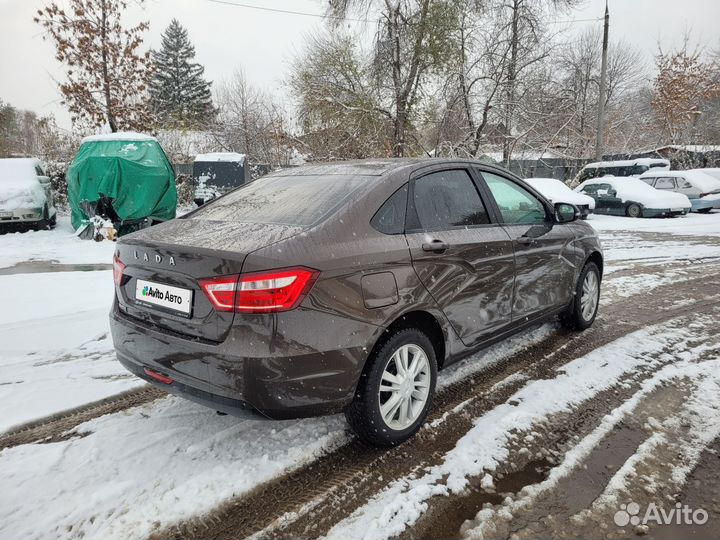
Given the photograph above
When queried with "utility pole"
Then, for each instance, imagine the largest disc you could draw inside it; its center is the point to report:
(603, 90)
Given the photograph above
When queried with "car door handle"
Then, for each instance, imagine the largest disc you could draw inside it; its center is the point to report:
(526, 241)
(437, 246)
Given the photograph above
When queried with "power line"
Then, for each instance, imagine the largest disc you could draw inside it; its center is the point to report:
(319, 16)
(288, 11)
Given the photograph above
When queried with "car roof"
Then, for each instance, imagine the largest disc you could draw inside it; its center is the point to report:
(377, 167)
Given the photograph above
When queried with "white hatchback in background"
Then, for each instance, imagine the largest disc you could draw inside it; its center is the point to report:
(702, 189)
(557, 191)
(622, 196)
(26, 199)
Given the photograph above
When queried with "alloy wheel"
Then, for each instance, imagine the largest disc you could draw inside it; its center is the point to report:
(590, 294)
(404, 387)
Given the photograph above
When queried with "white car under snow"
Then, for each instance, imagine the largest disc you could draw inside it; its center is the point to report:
(557, 192)
(625, 196)
(25, 195)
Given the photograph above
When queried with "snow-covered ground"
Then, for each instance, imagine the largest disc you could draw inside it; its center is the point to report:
(56, 349)
(59, 245)
(131, 472)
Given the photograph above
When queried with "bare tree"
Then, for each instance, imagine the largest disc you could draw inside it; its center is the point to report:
(683, 86)
(411, 41)
(107, 77)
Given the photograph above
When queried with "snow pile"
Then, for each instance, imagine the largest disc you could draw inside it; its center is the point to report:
(632, 189)
(557, 192)
(19, 185)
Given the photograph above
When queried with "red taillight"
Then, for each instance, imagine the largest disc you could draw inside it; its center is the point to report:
(157, 376)
(118, 269)
(262, 292)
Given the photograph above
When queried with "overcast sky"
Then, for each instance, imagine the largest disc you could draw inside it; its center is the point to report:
(263, 43)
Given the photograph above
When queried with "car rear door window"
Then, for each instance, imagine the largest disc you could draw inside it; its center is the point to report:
(390, 218)
(517, 205)
(448, 199)
(648, 181)
(665, 183)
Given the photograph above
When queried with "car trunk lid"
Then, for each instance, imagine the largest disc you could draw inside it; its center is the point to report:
(163, 266)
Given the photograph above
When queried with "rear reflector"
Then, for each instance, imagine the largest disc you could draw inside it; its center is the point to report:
(261, 292)
(118, 269)
(157, 376)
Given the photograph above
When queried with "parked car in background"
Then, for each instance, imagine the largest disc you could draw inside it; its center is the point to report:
(346, 286)
(631, 167)
(217, 173)
(711, 171)
(702, 189)
(26, 199)
(633, 198)
(120, 182)
(556, 192)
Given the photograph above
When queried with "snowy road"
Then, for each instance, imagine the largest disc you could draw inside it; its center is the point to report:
(518, 433)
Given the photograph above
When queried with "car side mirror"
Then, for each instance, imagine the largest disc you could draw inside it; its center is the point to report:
(44, 180)
(565, 212)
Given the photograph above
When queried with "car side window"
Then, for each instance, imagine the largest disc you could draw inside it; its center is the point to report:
(648, 181)
(684, 184)
(448, 199)
(390, 218)
(517, 205)
(665, 183)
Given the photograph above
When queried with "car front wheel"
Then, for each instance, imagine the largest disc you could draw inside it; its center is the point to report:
(396, 390)
(582, 311)
(633, 210)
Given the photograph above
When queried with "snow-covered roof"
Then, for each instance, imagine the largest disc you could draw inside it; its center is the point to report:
(119, 136)
(628, 163)
(698, 178)
(232, 157)
(688, 148)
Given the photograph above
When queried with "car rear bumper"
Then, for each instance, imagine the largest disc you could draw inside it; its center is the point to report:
(256, 368)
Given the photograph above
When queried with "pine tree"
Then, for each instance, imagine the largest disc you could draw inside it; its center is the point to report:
(106, 75)
(180, 96)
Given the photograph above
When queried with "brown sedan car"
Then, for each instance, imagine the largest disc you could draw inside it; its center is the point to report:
(346, 286)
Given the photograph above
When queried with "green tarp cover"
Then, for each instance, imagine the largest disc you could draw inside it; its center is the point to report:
(135, 175)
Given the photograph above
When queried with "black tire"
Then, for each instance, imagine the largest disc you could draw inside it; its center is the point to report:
(704, 211)
(573, 318)
(52, 222)
(633, 210)
(363, 414)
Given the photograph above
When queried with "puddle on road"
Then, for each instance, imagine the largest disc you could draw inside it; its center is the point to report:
(476, 497)
(39, 267)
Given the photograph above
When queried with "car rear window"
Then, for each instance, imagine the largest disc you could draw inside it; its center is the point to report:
(288, 200)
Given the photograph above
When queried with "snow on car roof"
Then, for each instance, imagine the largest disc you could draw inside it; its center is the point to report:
(628, 163)
(18, 170)
(19, 185)
(119, 136)
(232, 157)
(557, 191)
